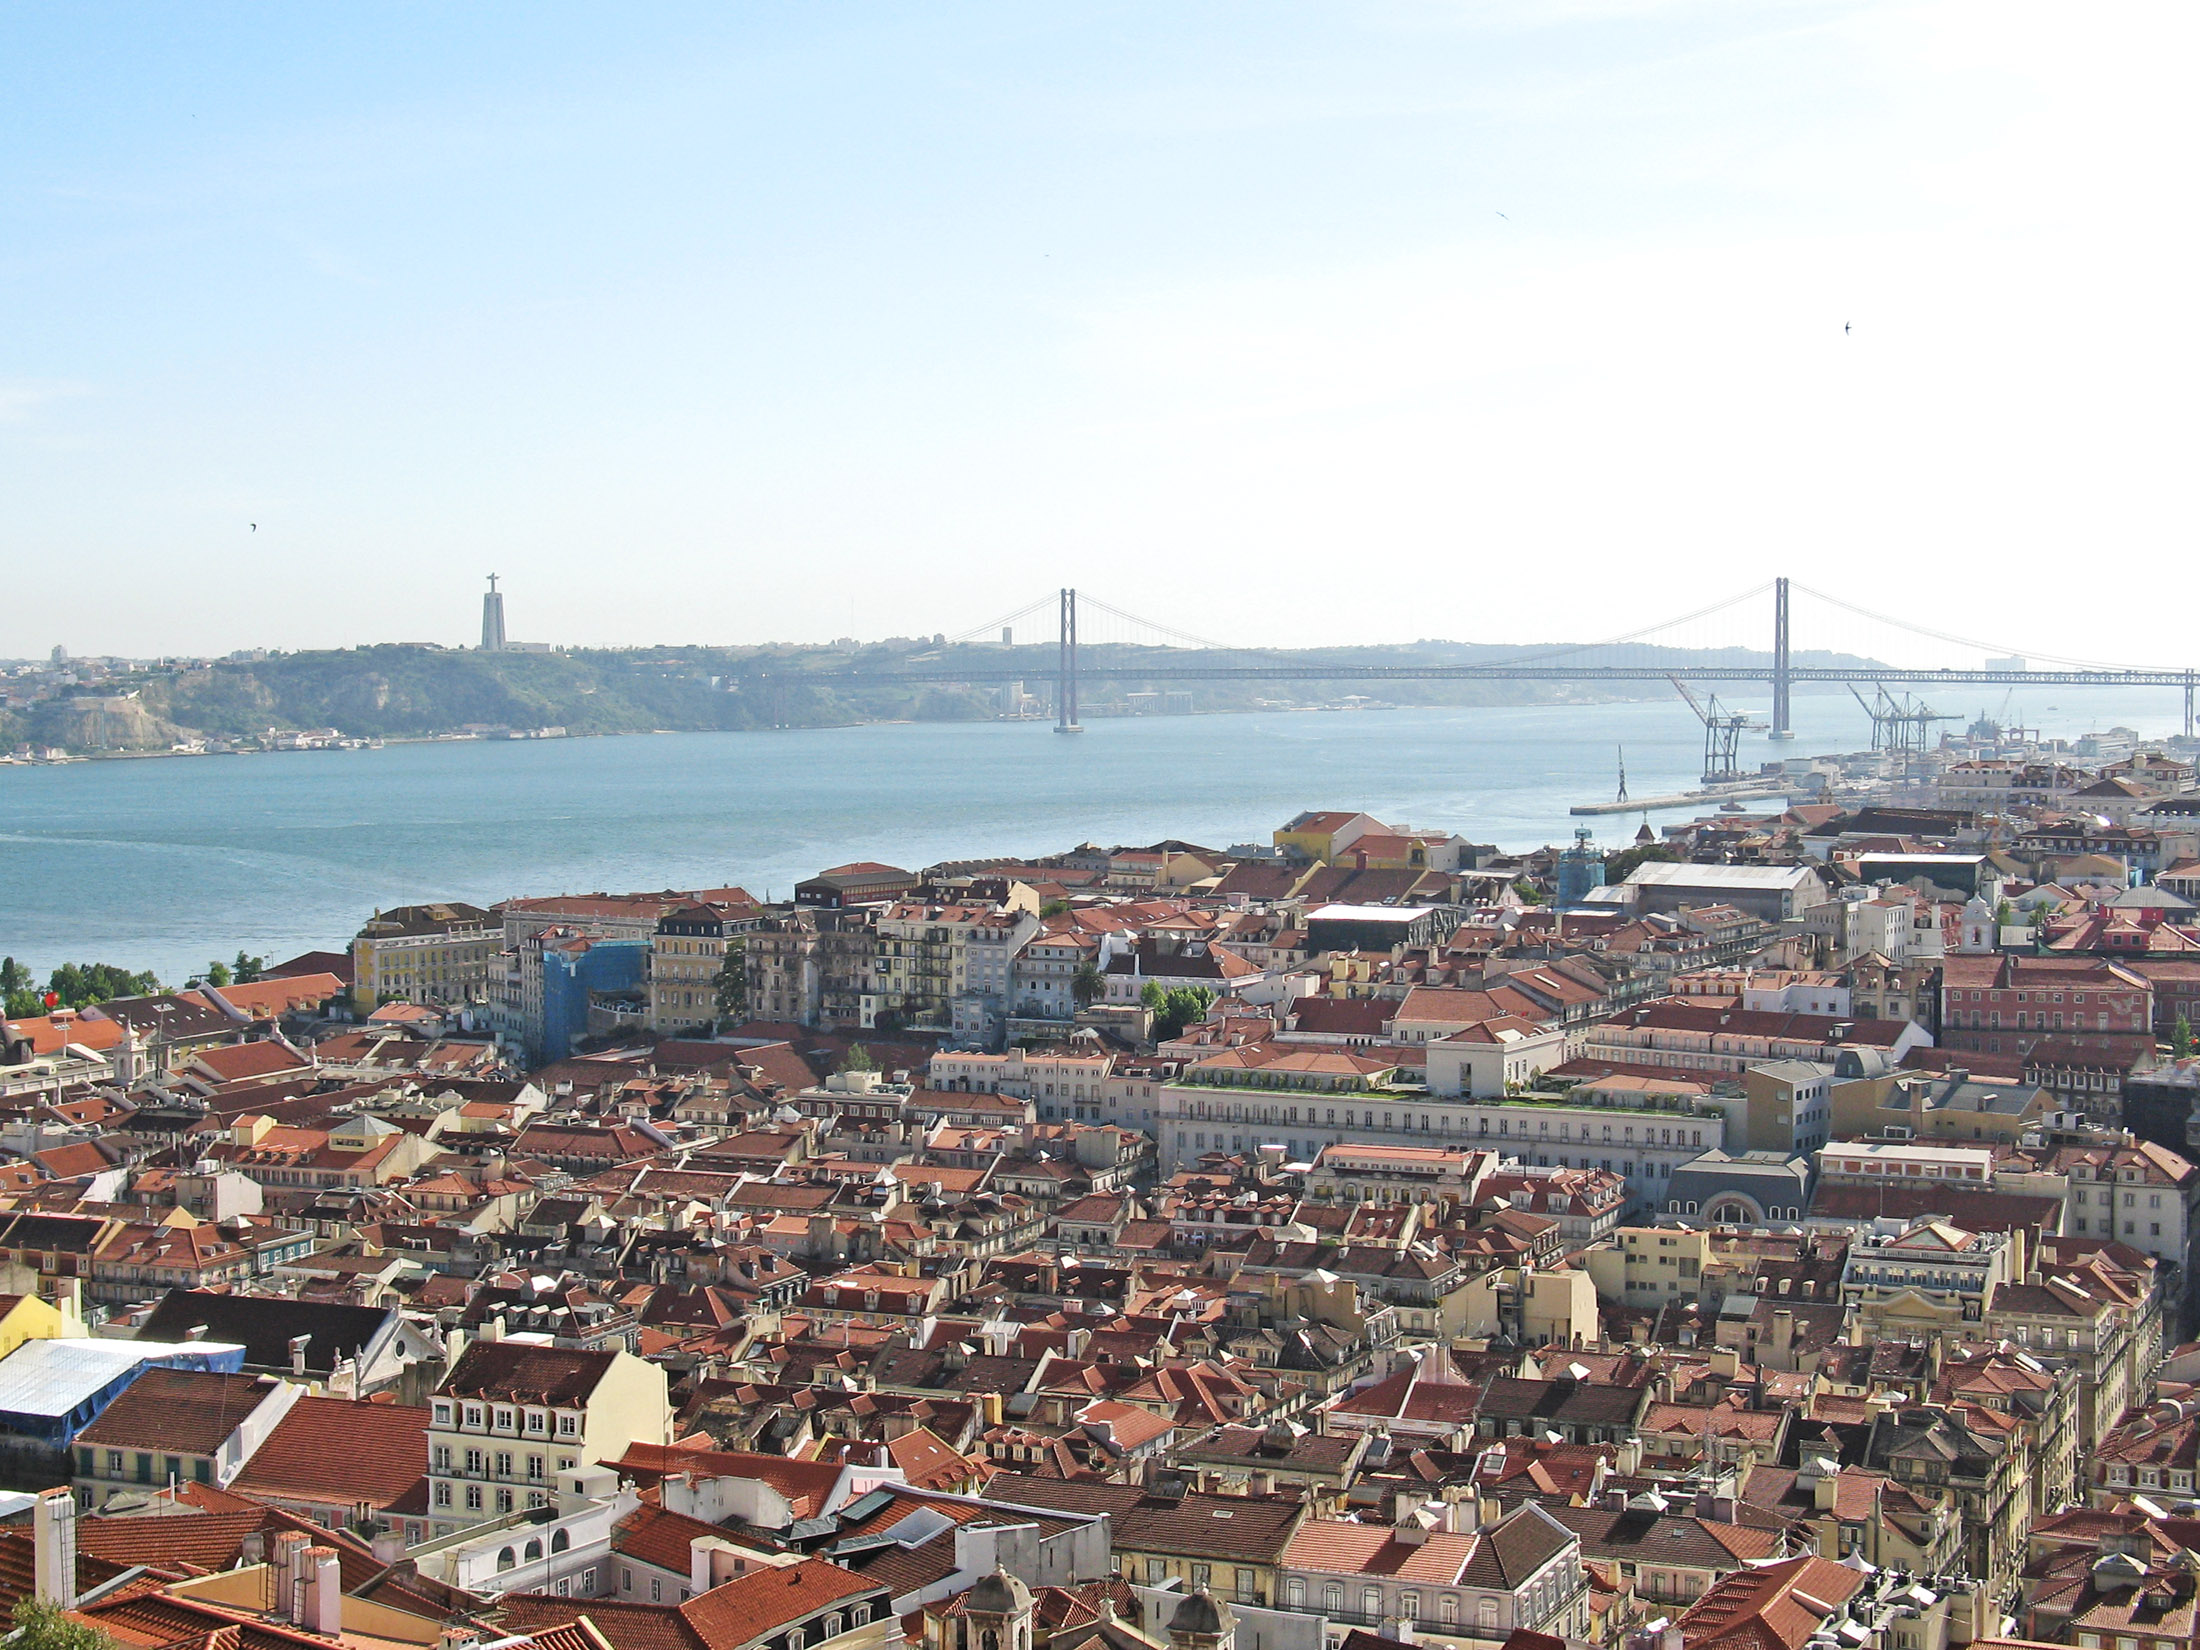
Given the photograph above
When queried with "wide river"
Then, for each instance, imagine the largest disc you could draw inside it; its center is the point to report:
(168, 863)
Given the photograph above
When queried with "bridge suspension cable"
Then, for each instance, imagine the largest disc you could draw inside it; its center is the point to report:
(1990, 648)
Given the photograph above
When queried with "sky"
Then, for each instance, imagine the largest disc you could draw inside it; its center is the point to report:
(1489, 320)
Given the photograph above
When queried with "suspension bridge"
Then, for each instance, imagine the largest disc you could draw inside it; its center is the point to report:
(988, 653)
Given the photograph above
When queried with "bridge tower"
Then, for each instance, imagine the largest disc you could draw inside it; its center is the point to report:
(1065, 682)
(1780, 669)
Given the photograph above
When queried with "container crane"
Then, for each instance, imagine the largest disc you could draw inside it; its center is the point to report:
(1900, 726)
(1722, 734)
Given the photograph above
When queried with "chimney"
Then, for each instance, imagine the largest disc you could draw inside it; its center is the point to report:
(322, 1603)
(298, 1345)
(289, 1574)
(53, 1539)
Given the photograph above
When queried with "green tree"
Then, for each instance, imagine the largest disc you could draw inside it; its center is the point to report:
(1151, 997)
(246, 969)
(1618, 866)
(18, 991)
(1529, 893)
(1088, 985)
(730, 985)
(217, 974)
(40, 1626)
(80, 985)
(858, 1058)
(2180, 1038)
(1186, 1005)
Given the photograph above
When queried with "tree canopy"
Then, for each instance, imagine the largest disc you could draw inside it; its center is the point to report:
(1183, 1006)
(73, 985)
(40, 1626)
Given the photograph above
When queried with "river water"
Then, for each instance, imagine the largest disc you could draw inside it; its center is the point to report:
(168, 863)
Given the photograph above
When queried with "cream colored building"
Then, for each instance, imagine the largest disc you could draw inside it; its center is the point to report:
(448, 953)
(1648, 1266)
(512, 1415)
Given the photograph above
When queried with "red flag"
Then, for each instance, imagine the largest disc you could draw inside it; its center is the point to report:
(53, 1000)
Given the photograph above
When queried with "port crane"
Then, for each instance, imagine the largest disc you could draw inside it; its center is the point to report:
(1722, 734)
(1901, 726)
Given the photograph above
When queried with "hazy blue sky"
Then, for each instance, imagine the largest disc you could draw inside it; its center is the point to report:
(1369, 321)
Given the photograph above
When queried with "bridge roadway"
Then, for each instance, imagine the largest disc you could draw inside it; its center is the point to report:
(1337, 671)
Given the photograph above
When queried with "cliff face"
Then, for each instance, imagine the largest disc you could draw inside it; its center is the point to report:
(117, 723)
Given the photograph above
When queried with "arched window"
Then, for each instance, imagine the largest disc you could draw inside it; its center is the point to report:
(534, 1549)
(559, 1541)
(1486, 1609)
(832, 1625)
(1333, 1596)
(506, 1559)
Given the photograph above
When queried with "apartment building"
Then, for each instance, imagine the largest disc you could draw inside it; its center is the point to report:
(447, 953)
(687, 953)
(512, 1415)
(944, 967)
(812, 968)
(2007, 1005)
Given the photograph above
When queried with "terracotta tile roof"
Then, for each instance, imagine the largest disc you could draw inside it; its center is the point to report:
(1335, 1547)
(655, 1536)
(184, 1411)
(763, 1601)
(51, 1033)
(261, 1059)
(1775, 1607)
(1234, 1526)
(527, 1374)
(17, 1566)
(807, 1485)
(332, 1450)
(621, 1625)
(214, 1540)
(929, 1462)
(736, 1613)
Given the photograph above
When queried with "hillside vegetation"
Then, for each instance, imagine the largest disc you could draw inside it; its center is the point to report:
(401, 691)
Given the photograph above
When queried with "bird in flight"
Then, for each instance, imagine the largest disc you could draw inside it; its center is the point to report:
(1844, 329)
(255, 527)
(1502, 215)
